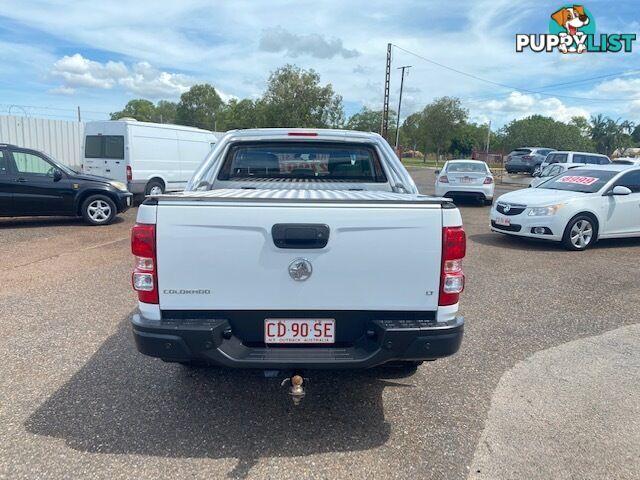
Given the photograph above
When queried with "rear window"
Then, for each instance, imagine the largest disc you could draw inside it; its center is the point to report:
(557, 158)
(467, 167)
(104, 146)
(305, 161)
(579, 180)
(520, 151)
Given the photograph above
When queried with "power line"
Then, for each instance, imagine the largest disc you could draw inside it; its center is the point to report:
(503, 85)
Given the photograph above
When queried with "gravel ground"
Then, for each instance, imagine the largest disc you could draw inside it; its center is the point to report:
(77, 400)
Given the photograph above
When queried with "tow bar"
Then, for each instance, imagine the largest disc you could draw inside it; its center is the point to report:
(296, 391)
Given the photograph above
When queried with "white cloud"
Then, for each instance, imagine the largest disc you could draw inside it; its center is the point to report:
(62, 91)
(520, 105)
(142, 78)
(277, 39)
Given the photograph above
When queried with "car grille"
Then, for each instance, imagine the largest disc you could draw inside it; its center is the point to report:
(512, 209)
(510, 228)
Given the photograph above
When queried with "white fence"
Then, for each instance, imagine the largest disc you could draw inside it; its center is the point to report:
(60, 139)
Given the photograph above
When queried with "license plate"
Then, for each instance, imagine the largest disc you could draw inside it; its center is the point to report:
(303, 330)
(466, 180)
(505, 222)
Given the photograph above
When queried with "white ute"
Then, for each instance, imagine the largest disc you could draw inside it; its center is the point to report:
(299, 249)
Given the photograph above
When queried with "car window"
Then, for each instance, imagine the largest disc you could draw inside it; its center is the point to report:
(557, 158)
(603, 161)
(308, 161)
(4, 164)
(104, 146)
(580, 180)
(580, 158)
(520, 151)
(631, 180)
(555, 170)
(467, 167)
(31, 164)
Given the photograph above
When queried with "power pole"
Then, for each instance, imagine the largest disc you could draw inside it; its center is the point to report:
(400, 103)
(488, 142)
(79, 118)
(387, 81)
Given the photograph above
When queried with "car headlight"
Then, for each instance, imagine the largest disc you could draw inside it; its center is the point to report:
(545, 211)
(119, 185)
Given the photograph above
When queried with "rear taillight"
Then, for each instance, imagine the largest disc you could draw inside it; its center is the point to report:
(488, 181)
(145, 277)
(454, 247)
(443, 179)
(527, 158)
(129, 173)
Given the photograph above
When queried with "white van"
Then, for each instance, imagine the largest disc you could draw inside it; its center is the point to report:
(583, 158)
(151, 158)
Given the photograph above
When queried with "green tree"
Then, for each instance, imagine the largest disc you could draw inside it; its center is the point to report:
(241, 114)
(467, 138)
(367, 120)
(200, 107)
(635, 136)
(295, 98)
(441, 119)
(165, 112)
(539, 131)
(138, 108)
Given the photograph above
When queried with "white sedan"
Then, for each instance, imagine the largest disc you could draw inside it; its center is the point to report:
(576, 208)
(465, 178)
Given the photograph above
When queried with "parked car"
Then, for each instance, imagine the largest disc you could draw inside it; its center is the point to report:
(526, 159)
(575, 157)
(577, 207)
(33, 184)
(289, 238)
(551, 171)
(470, 178)
(151, 158)
(626, 161)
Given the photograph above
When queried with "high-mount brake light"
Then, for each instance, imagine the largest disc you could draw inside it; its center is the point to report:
(303, 134)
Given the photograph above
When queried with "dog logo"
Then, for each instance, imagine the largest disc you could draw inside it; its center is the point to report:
(572, 19)
(572, 29)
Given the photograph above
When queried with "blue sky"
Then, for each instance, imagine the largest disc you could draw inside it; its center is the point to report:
(58, 55)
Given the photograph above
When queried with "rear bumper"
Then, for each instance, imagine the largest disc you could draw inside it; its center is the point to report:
(479, 191)
(215, 341)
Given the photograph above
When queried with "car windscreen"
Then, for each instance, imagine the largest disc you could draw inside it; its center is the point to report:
(304, 161)
(466, 167)
(579, 180)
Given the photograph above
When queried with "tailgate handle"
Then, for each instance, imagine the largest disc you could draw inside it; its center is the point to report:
(300, 235)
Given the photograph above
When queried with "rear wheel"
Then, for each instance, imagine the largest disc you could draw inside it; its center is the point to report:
(154, 187)
(99, 210)
(580, 233)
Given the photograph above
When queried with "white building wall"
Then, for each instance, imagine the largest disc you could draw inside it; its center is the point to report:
(60, 139)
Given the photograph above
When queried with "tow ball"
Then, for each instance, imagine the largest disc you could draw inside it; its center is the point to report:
(296, 391)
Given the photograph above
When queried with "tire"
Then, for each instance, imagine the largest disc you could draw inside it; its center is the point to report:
(154, 187)
(99, 210)
(488, 202)
(581, 232)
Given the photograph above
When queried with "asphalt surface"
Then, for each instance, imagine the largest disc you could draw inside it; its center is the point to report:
(78, 401)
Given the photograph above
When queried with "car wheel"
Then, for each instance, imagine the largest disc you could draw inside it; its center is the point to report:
(154, 187)
(488, 201)
(580, 233)
(99, 210)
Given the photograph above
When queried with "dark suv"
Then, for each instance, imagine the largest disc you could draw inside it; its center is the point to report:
(526, 160)
(33, 184)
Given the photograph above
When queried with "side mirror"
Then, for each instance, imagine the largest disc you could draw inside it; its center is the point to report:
(536, 174)
(57, 175)
(437, 172)
(620, 190)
